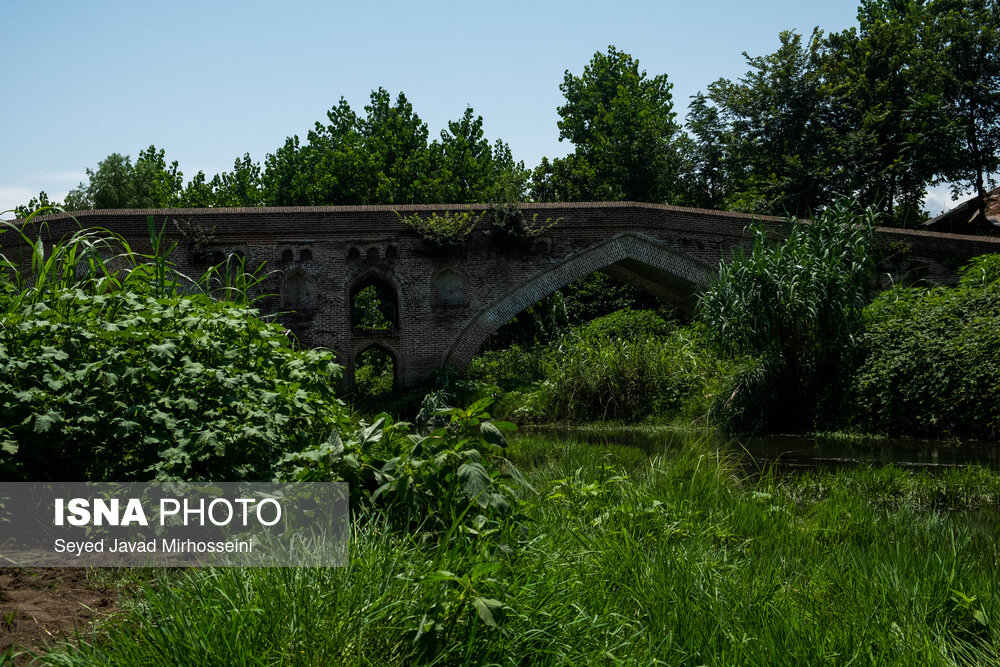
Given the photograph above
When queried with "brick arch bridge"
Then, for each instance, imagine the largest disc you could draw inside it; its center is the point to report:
(443, 305)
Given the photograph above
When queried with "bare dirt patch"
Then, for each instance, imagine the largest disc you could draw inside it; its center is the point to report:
(40, 605)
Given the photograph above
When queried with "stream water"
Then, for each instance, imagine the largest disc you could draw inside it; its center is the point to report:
(795, 452)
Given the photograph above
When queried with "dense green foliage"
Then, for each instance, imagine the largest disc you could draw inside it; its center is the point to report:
(425, 482)
(796, 306)
(112, 367)
(622, 125)
(577, 303)
(676, 559)
(127, 386)
(374, 373)
(933, 358)
(628, 365)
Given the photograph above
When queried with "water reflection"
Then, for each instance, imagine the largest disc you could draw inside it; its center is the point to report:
(795, 452)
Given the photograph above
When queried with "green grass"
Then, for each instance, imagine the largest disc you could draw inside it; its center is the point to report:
(621, 558)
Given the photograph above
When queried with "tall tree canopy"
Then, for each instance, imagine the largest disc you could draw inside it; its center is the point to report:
(384, 157)
(622, 125)
(966, 34)
(780, 138)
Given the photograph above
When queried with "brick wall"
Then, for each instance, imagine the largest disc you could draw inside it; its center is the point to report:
(449, 303)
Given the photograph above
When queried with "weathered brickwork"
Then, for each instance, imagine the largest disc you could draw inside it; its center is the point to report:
(447, 304)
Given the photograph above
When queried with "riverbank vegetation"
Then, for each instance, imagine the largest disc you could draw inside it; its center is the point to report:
(790, 338)
(466, 548)
(470, 547)
(616, 556)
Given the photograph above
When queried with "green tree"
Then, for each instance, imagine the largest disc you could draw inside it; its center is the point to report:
(198, 193)
(622, 125)
(777, 114)
(892, 137)
(242, 186)
(571, 178)
(705, 156)
(118, 183)
(967, 39)
(35, 203)
(472, 171)
(384, 157)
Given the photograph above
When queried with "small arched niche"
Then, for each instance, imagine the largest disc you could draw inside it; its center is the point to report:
(287, 256)
(449, 290)
(306, 255)
(374, 305)
(353, 254)
(299, 291)
(374, 371)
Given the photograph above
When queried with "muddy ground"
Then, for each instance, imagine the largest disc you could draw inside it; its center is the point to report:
(40, 606)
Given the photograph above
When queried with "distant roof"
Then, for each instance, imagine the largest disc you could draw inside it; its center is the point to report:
(964, 218)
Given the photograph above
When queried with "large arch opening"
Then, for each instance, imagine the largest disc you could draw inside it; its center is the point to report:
(614, 344)
(374, 305)
(375, 372)
(648, 266)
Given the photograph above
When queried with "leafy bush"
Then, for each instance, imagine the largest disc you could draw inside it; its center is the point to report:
(629, 365)
(443, 231)
(626, 324)
(622, 378)
(109, 370)
(373, 372)
(795, 304)
(933, 358)
(452, 474)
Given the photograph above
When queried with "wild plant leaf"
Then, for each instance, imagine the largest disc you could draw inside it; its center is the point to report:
(474, 479)
(43, 423)
(492, 434)
(486, 608)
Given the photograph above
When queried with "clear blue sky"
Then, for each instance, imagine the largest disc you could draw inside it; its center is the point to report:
(208, 81)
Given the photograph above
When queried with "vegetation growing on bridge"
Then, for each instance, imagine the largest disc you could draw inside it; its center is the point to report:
(447, 231)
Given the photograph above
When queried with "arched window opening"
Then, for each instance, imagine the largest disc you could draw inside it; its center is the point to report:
(300, 292)
(287, 256)
(372, 253)
(448, 289)
(374, 372)
(374, 306)
(353, 253)
(306, 255)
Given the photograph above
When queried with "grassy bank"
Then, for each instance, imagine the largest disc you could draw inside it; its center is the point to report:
(615, 558)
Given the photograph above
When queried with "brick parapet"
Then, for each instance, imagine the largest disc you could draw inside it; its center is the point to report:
(652, 245)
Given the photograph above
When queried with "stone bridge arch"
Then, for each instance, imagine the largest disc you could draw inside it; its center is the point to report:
(634, 257)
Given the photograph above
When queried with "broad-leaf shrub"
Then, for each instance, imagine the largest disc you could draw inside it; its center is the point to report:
(126, 386)
(113, 366)
(453, 475)
(933, 358)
